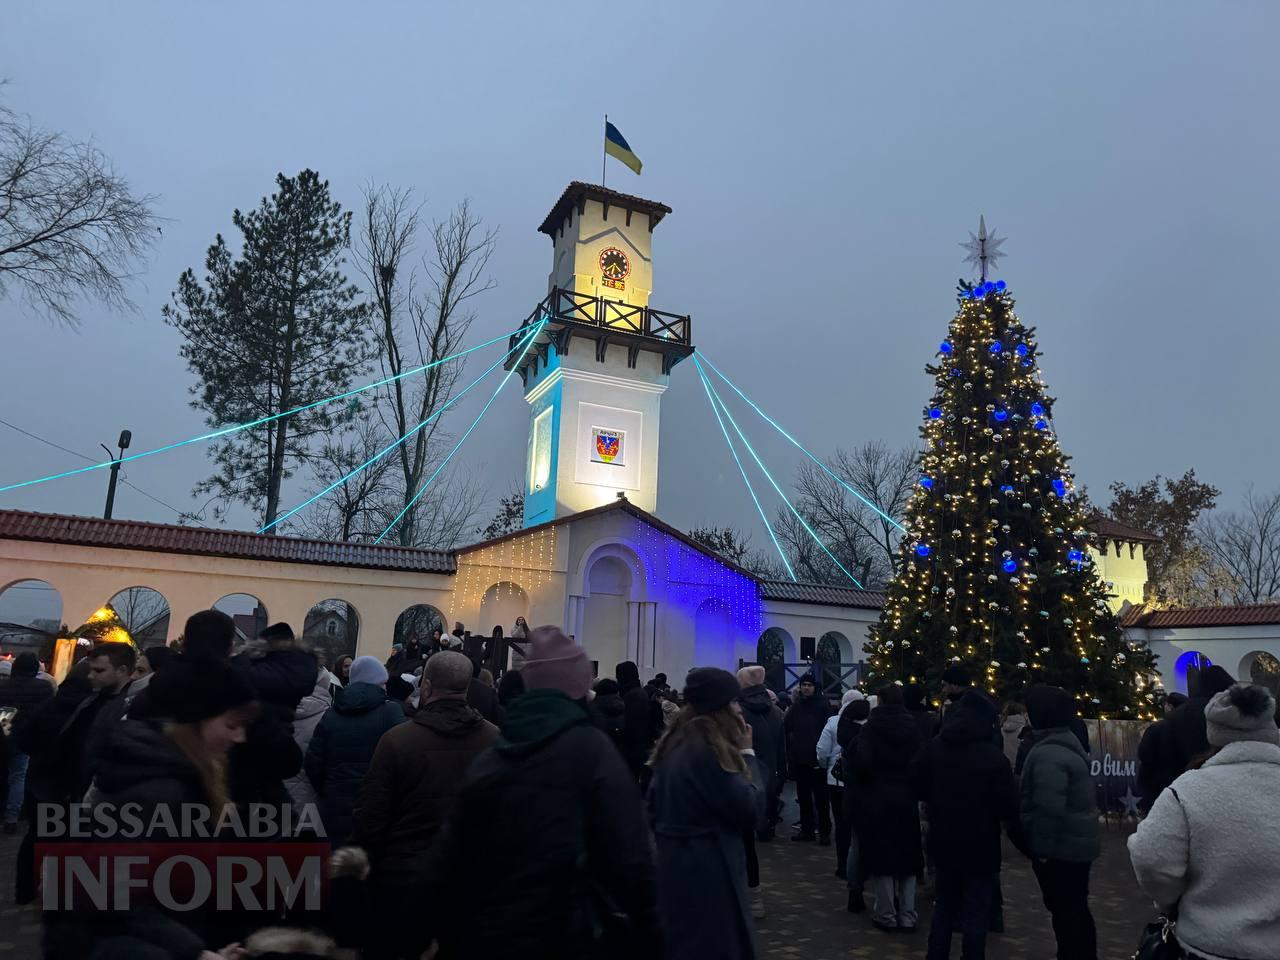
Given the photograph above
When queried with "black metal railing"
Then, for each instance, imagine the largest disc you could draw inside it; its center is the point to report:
(569, 306)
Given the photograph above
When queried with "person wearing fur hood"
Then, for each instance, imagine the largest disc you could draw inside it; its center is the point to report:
(1208, 849)
(829, 759)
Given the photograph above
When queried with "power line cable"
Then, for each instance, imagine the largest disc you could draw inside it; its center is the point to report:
(259, 422)
(387, 449)
(799, 446)
(777, 489)
(528, 342)
(76, 453)
(706, 385)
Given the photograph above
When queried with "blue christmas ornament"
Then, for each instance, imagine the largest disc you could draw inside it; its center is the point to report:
(1041, 425)
(1001, 416)
(988, 287)
(945, 346)
(1059, 486)
(1000, 285)
(1026, 362)
(1007, 488)
(926, 482)
(997, 347)
(935, 413)
(1022, 349)
(922, 549)
(1010, 565)
(1075, 556)
(1037, 410)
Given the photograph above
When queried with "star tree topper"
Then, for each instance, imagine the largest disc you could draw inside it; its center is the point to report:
(984, 249)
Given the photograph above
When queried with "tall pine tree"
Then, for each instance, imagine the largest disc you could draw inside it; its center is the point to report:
(273, 327)
(995, 573)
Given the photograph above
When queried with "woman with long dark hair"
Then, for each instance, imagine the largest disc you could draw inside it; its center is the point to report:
(707, 791)
(175, 757)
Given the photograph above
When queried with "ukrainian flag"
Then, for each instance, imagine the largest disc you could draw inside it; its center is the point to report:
(615, 145)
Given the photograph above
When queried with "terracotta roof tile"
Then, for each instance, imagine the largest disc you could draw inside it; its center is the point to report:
(835, 596)
(1240, 615)
(1110, 529)
(239, 544)
(578, 190)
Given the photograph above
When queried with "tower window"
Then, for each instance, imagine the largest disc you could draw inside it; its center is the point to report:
(540, 451)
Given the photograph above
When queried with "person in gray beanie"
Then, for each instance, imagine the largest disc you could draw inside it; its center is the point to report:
(1209, 849)
(342, 746)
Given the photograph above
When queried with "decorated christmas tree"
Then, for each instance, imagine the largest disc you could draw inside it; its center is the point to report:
(994, 572)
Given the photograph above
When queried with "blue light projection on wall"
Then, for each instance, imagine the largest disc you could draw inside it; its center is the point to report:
(693, 577)
(1182, 667)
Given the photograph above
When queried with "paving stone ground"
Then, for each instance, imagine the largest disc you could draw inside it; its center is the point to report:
(806, 918)
(806, 909)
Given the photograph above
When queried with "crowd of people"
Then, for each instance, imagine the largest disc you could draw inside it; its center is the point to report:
(557, 814)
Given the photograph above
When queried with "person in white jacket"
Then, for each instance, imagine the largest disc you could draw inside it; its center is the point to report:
(1209, 848)
(306, 718)
(828, 755)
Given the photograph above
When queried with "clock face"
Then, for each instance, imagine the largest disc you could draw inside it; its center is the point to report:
(614, 264)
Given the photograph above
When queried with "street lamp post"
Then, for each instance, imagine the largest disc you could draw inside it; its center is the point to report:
(125, 437)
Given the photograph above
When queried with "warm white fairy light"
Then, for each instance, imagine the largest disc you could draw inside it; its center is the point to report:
(995, 571)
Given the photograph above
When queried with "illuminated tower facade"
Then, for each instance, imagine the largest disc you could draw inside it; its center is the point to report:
(595, 375)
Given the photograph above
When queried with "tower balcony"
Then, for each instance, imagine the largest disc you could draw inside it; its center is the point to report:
(570, 314)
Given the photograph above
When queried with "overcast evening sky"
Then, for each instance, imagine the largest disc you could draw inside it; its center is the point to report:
(823, 161)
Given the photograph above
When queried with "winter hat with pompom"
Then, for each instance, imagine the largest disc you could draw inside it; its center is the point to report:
(1245, 711)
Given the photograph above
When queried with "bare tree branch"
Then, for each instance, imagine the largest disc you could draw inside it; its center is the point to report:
(862, 540)
(414, 330)
(1246, 545)
(69, 225)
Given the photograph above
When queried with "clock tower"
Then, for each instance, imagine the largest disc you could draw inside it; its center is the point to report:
(596, 372)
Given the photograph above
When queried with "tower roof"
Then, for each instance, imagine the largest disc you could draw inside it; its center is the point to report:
(578, 193)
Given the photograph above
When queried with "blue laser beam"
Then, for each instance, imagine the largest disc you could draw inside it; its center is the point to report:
(256, 423)
(528, 342)
(799, 446)
(706, 385)
(385, 450)
(777, 489)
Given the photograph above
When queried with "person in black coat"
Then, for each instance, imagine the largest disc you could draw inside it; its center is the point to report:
(548, 829)
(888, 822)
(968, 787)
(640, 730)
(1170, 744)
(767, 736)
(481, 697)
(608, 712)
(49, 776)
(175, 764)
(409, 657)
(926, 719)
(803, 724)
(20, 696)
(279, 673)
(708, 792)
(510, 686)
(852, 719)
(343, 744)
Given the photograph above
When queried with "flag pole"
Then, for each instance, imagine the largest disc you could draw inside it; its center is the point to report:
(604, 153)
